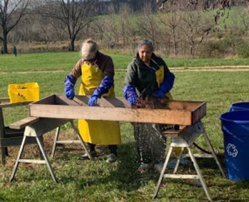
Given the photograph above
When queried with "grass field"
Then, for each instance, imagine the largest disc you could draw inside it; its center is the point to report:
(66, 60)
(98, 181)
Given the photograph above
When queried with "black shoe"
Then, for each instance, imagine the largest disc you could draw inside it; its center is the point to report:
(85, 156)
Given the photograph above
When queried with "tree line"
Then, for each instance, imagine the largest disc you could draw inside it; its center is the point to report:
(113, 22)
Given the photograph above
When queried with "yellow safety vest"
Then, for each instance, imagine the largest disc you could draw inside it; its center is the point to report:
(96, 132)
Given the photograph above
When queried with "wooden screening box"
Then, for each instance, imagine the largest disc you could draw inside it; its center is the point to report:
(118, 109)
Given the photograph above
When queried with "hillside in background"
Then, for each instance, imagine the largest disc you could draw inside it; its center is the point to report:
(180, 30)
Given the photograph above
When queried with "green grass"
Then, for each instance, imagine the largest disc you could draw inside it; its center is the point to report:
(97, 181)
(65, 61)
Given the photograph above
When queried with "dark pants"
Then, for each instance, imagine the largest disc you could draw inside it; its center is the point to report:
(112, 148)
(150, 142)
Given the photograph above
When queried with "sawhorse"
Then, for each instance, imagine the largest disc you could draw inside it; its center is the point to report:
(9, 137)
(37, 130)
(184, 138)
(64, 142)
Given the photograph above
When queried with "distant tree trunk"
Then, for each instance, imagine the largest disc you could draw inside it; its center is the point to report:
(10, 15)
(72, 43)
(5, 42)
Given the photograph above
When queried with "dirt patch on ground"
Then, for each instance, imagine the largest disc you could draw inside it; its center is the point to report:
(32, 151)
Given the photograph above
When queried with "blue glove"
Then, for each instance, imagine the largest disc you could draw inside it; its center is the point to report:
(69, 86)
(159, 94)
(103, 88)
(165, 86)
(93, 100)
(130, 94)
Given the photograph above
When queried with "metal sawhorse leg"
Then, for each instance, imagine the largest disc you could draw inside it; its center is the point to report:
(37, 130)
(79, 141)
(185, 141)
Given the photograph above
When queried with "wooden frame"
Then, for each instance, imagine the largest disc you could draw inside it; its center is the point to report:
(118, 109)
(53, 111)
(8, 136)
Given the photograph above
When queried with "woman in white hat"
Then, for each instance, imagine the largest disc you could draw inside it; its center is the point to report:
(96, 71)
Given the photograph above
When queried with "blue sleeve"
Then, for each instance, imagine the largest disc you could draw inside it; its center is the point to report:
(69, 86)
(104, 86)
(70, 80)
(167, 84)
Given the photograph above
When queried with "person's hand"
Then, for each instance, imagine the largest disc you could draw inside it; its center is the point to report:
(103, 88)
(158, 94)
(69, 92)
(93, 100)
(130, 94)
(165, 86)
(69, 86)
(132, 100)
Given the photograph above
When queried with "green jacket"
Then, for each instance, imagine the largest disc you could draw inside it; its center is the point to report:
(143, 77)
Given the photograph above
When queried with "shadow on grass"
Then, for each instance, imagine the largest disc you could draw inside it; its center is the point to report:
(124, 177)
(123, 174)
(127, 178)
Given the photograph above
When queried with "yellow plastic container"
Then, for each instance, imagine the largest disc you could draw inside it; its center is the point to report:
(27, 92)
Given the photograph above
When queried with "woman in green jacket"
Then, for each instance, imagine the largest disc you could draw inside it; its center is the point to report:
(149, 77)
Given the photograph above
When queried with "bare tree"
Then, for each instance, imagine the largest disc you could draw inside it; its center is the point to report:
(71, 15)
(126, 25)
(112, 29)
(194, 29)
(206, 3)
(11, 12)
(172, 23)
(147, 24)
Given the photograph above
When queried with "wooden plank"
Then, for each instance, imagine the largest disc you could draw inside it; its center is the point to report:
(83, 100)
(106, 102)
(198, 156)
(68, 142)
(118, 109)
(199, 112)
(16, 141)
(43, 126)
(47, 100)
(76, 101)
(62, 100)
(24, 122)
(2, 131)
(13, 132)
(32, 161)
(174, 133)
(113, 102)
(13, 104)
(113, 114)
(4, 100)
(79, 102)
(122, 102)
(179, 176)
